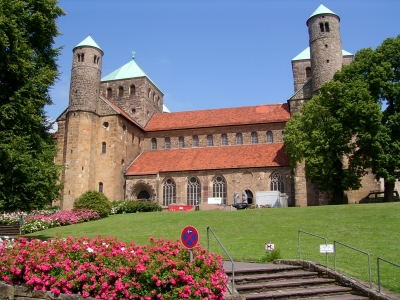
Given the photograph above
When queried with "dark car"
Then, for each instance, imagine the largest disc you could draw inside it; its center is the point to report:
(242, 205)
(377, 197)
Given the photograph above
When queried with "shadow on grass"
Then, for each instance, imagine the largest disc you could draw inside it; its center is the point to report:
(39, 237)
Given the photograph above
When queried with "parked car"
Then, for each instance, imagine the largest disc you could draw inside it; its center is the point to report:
(377, 197)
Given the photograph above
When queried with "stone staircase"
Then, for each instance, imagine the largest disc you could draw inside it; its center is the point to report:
(291, 281)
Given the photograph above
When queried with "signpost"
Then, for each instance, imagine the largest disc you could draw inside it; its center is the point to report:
(190, 238)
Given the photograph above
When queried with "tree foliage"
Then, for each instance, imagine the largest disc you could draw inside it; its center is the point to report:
(352, 125)
(28, 69)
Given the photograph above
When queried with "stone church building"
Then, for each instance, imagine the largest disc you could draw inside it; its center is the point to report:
(117, 137)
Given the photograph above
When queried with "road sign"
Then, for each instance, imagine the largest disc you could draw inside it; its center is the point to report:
(269, 246)
(189, 237)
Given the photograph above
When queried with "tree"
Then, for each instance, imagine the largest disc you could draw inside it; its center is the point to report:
(352, 126)
(28, 69)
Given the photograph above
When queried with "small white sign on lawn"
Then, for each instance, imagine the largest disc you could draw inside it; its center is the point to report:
(326, 248)
(269, 246)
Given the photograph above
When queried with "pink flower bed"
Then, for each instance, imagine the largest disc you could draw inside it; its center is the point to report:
(105, 268)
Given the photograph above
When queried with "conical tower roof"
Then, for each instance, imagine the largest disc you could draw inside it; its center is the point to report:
(322, 10)
(88, 42)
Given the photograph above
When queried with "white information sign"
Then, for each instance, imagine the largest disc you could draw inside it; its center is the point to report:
(214, 200)
(269, 246)
(326, 248)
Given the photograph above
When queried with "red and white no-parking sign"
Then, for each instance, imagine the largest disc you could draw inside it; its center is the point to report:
(189, 237)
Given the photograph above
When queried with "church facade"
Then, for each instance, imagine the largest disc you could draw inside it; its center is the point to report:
(115, 136)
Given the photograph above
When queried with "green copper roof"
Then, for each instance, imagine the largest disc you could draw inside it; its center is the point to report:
(305, 54)
(165, 109)
(88, 42)
(322, 10)
(129, 70)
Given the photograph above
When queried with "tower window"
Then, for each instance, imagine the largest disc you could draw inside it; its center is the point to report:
(120, 91)
(195, 141)
(308, 72)
(103, 147)
(96, 59)
(209, 140)
(149, 93)
(327, 27)
(321, 27)
(100, 187)
(167, 143)
(181, 142)
(109, 93)
(106, 124)
(81, 57)
(132, 90)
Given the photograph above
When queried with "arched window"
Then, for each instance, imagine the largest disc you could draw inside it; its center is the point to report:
(193, 191)
(120, 91)
(321, 27)
(109, 93)
(103, 147)
(327, 27)
(254, 138)
(239, 139)
(153, 144)
(270, 137)
(149, 93)
(181, 142)
(195, 141)
(209, 140)
(100, 187)
(81, 57)
(224, 139)
(308, 72)
(132, 89)
(219, 188)
(169, 192)
(277, 183)
(167, 143)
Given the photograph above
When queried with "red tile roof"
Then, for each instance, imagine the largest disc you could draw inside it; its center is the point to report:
(220, 117)
(210, 158)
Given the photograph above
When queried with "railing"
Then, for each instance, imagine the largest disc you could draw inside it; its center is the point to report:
(355, 249)
(226, 252)
(317, 236)
(379, 272)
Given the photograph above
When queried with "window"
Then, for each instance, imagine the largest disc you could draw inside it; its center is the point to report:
(167, 143)
(193, 191)
(321, 27)
(239, 139)
(224, 139)
(327, 27)
(109, 93)
(153, 144)
(254, 138)
(219, 188)
(132, 90)
(100, 187)
(270, 137)
(103, 147)
(106, 124)
(120, 91)
(169, 192)
(277, 183)
(195, 141)
(181, 142)
(209, 140)
(81, 57)
(149, 93)
(96, 59)
(308, 72)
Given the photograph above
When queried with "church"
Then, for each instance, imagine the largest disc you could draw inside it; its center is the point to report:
(116, 136)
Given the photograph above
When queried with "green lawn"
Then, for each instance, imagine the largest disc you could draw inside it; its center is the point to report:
(373, 228)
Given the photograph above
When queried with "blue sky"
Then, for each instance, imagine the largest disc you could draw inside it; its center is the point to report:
(206, 54)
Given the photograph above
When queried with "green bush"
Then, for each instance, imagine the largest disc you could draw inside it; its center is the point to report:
(122, 207)
(270, 256)
(94, 200)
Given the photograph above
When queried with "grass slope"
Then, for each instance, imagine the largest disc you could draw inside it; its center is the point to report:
(373, 228)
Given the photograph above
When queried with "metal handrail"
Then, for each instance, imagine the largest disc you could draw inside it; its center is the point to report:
(321, 237)
(379, 275)
(355, 249)
(226, 252)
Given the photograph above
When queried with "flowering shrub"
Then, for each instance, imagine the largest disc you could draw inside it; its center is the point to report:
(11, 218)
(122, 207)
(41, 222)
(105, 268)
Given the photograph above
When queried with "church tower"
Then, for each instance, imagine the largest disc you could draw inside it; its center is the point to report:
(325, 46)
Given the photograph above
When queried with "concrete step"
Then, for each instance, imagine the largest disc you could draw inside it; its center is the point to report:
(262, 269)
(339, 297)
(299, 292)
(241, 279)
(283, 284)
